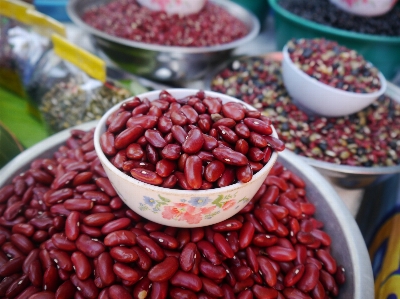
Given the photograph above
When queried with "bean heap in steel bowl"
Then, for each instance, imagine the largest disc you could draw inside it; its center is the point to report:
(196, 142)
(64, 233)
(213, 25)
(367, 138)
(334, 65)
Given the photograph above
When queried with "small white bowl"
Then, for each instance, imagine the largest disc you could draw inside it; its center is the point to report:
(181, 208)
(368, 8)
(318, 98)
(180, 7)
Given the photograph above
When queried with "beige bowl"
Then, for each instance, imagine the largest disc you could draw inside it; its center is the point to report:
(180, 208)
(319, 98)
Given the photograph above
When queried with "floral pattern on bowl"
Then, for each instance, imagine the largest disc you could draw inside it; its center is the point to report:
(365, 7)
(191, 210)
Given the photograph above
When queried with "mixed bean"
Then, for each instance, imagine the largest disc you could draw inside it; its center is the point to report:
(64, 233)
(66, 104)
(326, 13)
(213, 25)
(196, 142)
(367, 138)
(334, 65)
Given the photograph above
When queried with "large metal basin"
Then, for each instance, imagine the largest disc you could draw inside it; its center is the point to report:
(158, 62)
(348, 246)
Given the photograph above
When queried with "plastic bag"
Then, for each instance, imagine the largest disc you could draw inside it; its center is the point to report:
(69, 87)
(24, 39)
(11, 14)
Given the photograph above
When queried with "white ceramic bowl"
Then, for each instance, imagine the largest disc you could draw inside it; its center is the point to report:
(369, 8)
(316, 97)
(180, 208)
(180, 7)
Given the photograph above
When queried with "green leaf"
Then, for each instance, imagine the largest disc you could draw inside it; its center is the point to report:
(218, 201)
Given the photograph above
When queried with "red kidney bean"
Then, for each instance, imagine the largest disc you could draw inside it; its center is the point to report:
(86, 287)
(23, 243)
(120, 237)
(61, 241)
(6, 282)
(78, 204)
(193, 142)
(340, 276)
(293, 275)
(118, 122)
(197, 234)
(209, 251)
(104, 268)
(88, 246)
(125, 272)
(211, 271)
(223, 246)
(328, 262)
(13, 210)
(164, 270)
(17, 286)
(147, 176)
(114, 225)
(62, 259)
(123, 254)
(322, 236)
(144, 261)
(72, 225)
(229, 156)
(81, 264)
(267, 271)
(12, 266)
(261, 292)
(150, 247)
(51, 279)
(244, 174)
(293, 293)
(211, 288)
(165, 240)
(309, 278)
(65, 291)
(177, 293)
(98, 219)
(186, 280)
(280, 254)
(233, 110)
(243, 285)
(187, 257)
(35, 273)
(28, 292)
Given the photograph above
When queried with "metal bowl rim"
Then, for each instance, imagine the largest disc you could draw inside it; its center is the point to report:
(254, 30)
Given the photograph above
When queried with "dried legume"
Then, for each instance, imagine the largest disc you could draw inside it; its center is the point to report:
(133, 263)
(334, 65)
(326, 13)
(213, 25)
(200, 145)
(67, 104)
(367, 138)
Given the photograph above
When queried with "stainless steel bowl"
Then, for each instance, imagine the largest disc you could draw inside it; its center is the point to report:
(348, 246)
(163, 63)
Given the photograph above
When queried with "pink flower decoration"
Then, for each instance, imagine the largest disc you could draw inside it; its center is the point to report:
(229, 204)
(185, 212)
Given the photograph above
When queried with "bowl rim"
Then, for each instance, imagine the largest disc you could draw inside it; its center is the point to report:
(159, 189)
(331, 30)
(253, 32)
(331, 89)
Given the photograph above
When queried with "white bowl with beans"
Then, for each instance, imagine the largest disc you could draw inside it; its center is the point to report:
(316, 97)
(198, 198)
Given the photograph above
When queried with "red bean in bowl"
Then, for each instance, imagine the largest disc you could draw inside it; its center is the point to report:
(149, 147)
(255, 253)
